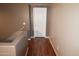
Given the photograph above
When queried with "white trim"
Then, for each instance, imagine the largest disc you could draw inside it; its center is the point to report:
(32, 37)
(29, 38)
(47, 37)
(27, 51)
(53, 47)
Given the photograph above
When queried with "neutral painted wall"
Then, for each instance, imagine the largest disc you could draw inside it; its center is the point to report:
(63, 28)
(12, 17)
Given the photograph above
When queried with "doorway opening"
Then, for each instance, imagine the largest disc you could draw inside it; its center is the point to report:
(39, 21)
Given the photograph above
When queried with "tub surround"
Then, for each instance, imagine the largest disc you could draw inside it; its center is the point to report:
(17, 47)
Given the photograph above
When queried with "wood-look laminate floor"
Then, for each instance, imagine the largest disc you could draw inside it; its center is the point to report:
(40, 47)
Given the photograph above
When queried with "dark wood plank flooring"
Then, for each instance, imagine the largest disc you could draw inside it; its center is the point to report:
(40, 47)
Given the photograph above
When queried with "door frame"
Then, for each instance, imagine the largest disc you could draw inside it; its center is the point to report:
(37, 6)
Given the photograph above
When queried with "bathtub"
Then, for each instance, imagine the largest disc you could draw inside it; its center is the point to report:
(15, 45)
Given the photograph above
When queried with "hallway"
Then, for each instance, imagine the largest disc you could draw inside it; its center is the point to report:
(40, 47)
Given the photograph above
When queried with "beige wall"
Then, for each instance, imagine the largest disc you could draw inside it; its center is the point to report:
(63, 28)
(12, 17)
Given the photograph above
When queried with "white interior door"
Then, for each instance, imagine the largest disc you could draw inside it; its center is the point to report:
(39, 19)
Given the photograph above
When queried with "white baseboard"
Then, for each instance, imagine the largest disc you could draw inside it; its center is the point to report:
(31, 37)
(27, 51)
(34, 37)
(47, 37)
(53, 47)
